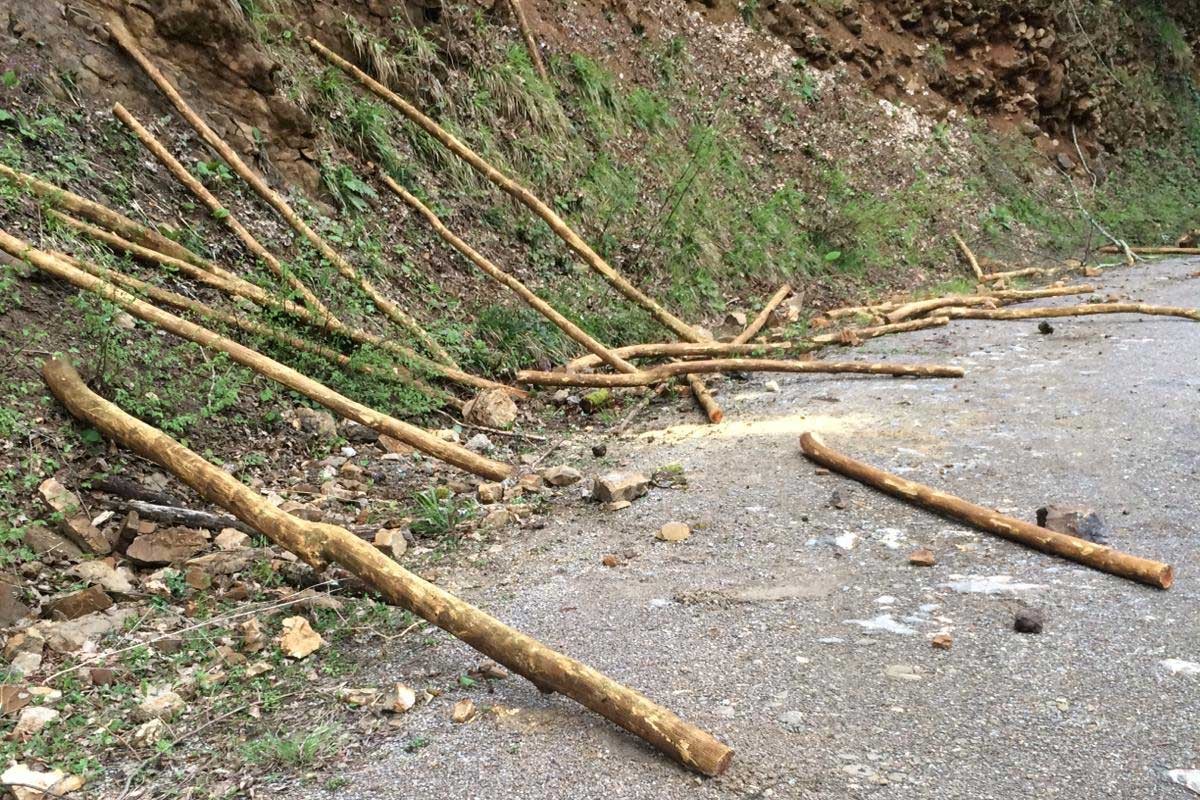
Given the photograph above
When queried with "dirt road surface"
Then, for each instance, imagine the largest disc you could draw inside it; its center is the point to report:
(798, 632)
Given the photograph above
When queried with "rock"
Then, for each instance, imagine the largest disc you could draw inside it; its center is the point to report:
(402, 699)
(318, 423)
(674, 532)
(837, 500)
(491, 408)
(391, 542)
(30, 640)
(903, 672)
(231, 539)
(772, 387)
(561, 476)
(26, 664)
(230, 562)
(1029, 620)
(162, 705)
(489, 493)
(32, 720)
(299, 640)
(11, 607)
(1073, 521)
(596, 400)
(102, 676)
(611, 560)
(735, 321)
(48, 545)
(1045, 328)
(149, 732)
(102, 572)
(600, 450)
(942, 641)
(1065, 162)
(479, 443)
(463, 711)
(792, 720)
(357, 433)
(620, 486)
(70, 636)
(498, 518)
(530, 482)
(448, 435)
(1187, 778)
(618, 505)
(74, 525)
(394, 446)
(170, 546)
(79, 604)
(922, 558)
(29, 784)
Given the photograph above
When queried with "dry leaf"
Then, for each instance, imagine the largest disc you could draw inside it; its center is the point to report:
(299, 640)
(252, 636)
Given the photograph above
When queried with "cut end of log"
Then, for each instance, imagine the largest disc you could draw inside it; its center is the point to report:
(1166, 577)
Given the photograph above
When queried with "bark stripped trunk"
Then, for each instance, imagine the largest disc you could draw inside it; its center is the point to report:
(1072, 311)
(530, 42)
(665, 371)
(758, 322)
(969, 256)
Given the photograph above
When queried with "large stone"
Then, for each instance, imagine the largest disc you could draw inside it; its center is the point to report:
(561, 475)
(1073, 521)
(50, 546)
(231, 539)
(31, 721)
(492, 408)
(78, 604)
(318, 423)
(230, 562)
(161, 705)
(70, 636)
(171, 546)
(674, 532)
(74, 525)
(11, 607)
(103, 573)
(616, 487)
(489, 493)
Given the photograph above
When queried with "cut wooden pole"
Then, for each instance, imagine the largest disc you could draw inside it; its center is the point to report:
(666, 371)
(102, 215)
(1154, 251)
(319, 544)
(159, 295)
(919, 308)
(854, 311)
(968, 255)
(505, 279)
(231, 284)
(392, 311)
(1071, 311)
(1096, 556)
(531, 45)
(409, 434)
(1025, 272)
(758, 322)
(201, 192)
(516, 190)
(710, 406)
(855, 336)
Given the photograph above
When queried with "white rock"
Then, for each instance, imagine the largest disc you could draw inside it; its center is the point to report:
(26, 783)
(479, 443)
(1178, 666)
(772, 386)
(883, 622)
(163, 705)
(149, 732)
(32, 720)
(989, 584)
(1187, 778)
(26, 663)
(231, 539)
(847, 541)
(101, 572)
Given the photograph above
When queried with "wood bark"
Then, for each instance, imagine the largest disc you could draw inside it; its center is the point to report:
(186, 517)
(666, 371)
(517, 191)
(509, 281)
(1154, 251)
(757, 324)
(201, 192)
(1096, 556)
(1072, 311)
(919, 308)
(969, 256)
(234, 286)
(410, 434)
(389, 308)
(102, 215)
(531, 44)
(319, 544)
(131, 490)
(159, 295)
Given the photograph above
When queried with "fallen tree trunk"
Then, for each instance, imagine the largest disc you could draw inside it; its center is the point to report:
(919, 308)
(531, 45)
(392, 311)
(712, 409)
(340, 404)
(1154, 251)
(666, 371)
(131, 490)
(103, 215)
(968, 255)
(1096, 556)
(855, 336)
(186, 517)
(1072, 311)
(505, 279)
(319, 544)
(682, 350)
(757, 324)
(219, 211)
(517, 191)
(854, 311)
(235, 286)
(1025, 272)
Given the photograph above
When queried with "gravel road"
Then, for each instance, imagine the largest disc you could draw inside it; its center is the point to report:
(798, 632)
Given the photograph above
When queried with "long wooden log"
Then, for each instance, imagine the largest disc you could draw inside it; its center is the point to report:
(855, 336)
(758, 322)
(704, 397)
(1024, 272)
(102, 215)
(666, 371)
(1096, 556)
(201, 192)
(517, 191)
(235, 286)
(1154, 251)
(319, 544)
(410, 434)
(389, 308)
(873, 310)
(509, 281)
(919, 308)
(158, 294)
(1071, 311)
(531, 45)
(968, 255)
(185, 517)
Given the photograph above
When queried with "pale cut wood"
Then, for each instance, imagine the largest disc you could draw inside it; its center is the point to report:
(409, 434)
(920, 307)
(1096, 556)
(522, 291)
(1154, 251)
(854, 336)
(389, 308)
(1024, 272)
(234, 286)
(854, 311)
(516, 190)
(758, 322)
(319, 544)
(1072, 311)
(710, 406)
(968, 255)
(531, 45)
(665, 371)
(102, 215)
(201, 192)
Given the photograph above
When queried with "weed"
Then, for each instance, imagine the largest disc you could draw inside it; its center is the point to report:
(292, 750)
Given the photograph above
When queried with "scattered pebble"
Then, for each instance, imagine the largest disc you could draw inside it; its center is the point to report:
(1029, 620)
(922, 558)
(674, 532)
(943, 641)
